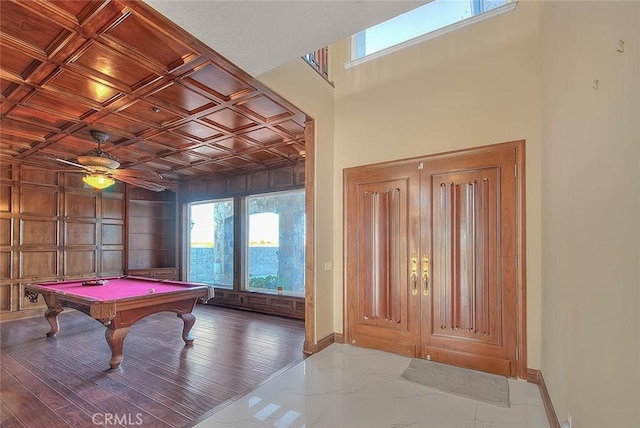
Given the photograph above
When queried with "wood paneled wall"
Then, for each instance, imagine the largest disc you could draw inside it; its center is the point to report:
(53, 228)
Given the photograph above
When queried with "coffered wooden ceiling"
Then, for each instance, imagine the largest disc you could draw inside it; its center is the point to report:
(169, 103)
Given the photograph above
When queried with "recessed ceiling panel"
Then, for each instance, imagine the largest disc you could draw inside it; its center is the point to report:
(121, 123)
(21, 129)
(173, 141)
(229, 120)
(188, 101)
(83, 86)
(291, 127)
(105, 61)
(150, 41)
(27, 114)
(198, 131)
(57, 103)
(151, 113)
(17, 62)
(264, 108)
(264, 136)
(235, 144)
(218, 82)
(209, 152)
(34, 29)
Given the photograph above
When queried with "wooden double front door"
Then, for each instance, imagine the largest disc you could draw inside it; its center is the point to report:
(434, 258)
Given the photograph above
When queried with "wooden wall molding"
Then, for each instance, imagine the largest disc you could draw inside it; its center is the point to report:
(535, 376)
(275, 304)
(312, 348)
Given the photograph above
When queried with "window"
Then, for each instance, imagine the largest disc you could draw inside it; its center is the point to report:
(275, 242)
(211, 242)
(419, 23)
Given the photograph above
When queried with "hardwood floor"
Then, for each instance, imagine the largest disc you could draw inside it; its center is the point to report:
(66, 381)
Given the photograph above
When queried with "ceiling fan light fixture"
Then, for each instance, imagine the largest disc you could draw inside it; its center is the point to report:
(98, 181)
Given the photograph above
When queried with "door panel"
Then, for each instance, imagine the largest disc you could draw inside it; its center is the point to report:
(382, 233)
(430, 256)
(470, 204)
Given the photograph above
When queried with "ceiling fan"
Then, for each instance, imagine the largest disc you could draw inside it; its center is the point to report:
(102, 169)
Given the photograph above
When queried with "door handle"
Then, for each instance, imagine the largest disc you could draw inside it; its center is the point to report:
(414, 274)
(425, 274)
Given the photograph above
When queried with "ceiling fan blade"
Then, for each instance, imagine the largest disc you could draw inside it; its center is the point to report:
(137, 173)
(72, 163)
(141, 183)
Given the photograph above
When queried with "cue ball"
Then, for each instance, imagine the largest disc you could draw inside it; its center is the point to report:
(152, 290)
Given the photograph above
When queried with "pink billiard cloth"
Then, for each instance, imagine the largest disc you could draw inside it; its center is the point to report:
(116, 288)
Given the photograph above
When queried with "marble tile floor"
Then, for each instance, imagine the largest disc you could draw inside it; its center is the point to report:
(348, 387)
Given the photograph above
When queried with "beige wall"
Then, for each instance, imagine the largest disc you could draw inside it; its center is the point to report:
(475, 86)
(591, 211)
(523, 75)
(299, 84)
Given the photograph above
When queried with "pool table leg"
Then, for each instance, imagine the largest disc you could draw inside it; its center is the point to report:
(115, 339)
(189, 320)
(51, 315)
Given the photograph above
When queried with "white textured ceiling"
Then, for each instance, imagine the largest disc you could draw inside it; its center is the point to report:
(259, 36)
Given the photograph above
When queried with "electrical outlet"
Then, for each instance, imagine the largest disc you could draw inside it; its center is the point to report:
(328, 266)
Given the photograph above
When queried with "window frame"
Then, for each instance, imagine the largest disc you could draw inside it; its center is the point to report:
(353, 40)
(187, 241)
(244, 246)
(240, 241)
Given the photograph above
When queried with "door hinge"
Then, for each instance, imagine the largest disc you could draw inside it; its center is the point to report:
(517, 354)
(421, 165)
(516, 170)
(516, 261)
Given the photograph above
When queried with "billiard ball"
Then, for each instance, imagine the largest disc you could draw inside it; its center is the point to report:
(152, 290)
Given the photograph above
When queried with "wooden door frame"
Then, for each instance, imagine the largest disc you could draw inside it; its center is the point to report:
(521, 304)
(309, 345)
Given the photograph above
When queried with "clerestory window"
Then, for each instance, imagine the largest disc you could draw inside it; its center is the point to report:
(421, 23)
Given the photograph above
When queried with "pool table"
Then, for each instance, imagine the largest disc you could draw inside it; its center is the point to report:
(120, 302)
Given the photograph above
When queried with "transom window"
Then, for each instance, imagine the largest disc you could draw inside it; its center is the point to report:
(423, 22)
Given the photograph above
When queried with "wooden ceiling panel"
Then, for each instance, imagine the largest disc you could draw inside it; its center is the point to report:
(58, 103)
(290, 151)
(22, 129)
(263, 157)
(120, 123)
(173, 141)
(90, 89)
(27, 114)
(71, 146)
(168, 102)
(198, 131)
(17, 62)
(34, 29)
(151, 41)
(184, 158)
(236, 144)
(264, 136)
(150, 113)
(77, 8)
(209, 152)
(107, 62)
(291, 127)
(183, 99)
(239, 163)
(264, 108)
(229, 120)
(218, 83)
